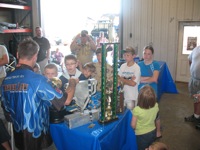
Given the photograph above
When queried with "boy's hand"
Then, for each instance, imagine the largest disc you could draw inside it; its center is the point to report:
(70, 90)
(133, 78)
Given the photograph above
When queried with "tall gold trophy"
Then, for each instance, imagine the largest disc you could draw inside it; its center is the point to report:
(109, 93)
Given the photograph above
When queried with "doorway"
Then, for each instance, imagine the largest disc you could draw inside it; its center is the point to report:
(62, 20)
(189, 38)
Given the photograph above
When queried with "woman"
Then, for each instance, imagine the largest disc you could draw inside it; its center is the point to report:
(149, 69)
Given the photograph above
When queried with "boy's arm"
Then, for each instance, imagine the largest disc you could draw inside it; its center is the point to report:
(70, 90)
(128, 81)
(74, 46)
(67, 96)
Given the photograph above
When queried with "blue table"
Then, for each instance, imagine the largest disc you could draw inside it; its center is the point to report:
(165, 82)
(117, 135)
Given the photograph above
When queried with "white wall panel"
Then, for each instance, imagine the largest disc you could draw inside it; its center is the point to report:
(156, 22)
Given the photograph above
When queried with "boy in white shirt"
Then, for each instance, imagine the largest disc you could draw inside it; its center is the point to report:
(129, 76)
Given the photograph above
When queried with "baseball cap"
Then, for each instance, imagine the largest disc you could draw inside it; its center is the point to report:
(129, 49)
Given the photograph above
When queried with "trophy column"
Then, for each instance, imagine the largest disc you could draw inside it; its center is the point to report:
(108, 95)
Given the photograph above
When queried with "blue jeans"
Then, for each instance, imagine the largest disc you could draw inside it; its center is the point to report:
(145, 140)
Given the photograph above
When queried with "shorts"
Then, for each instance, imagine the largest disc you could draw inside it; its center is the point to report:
(194, 86)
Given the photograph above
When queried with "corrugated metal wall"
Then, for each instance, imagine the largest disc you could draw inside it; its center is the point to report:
(156, 22)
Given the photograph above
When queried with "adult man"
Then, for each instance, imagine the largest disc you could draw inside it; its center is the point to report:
(44, 52)
(26, 96)
(83, 47)
(4, 59)
(194, 83)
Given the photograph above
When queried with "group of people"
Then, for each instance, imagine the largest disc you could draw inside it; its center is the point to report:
(28, 96)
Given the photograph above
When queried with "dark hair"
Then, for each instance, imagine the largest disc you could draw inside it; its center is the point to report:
(27, 49)
(146, 97)
(70, 57)
(150, 48)
(38, 27)
(90, 66)
(51, 66)
(84, 33)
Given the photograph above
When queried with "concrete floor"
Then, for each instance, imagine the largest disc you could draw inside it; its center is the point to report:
(178, 134)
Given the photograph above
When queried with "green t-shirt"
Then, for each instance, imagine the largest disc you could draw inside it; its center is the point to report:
(145, 119)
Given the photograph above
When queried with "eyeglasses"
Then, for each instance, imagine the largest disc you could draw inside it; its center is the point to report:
(70, 64)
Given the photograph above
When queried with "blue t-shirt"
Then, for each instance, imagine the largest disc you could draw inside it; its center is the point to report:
(26, 96)
(147, 71)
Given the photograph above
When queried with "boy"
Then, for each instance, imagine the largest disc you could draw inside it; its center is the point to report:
(51, 72)
(36, 68)
(71, 72)
(129, 76)
(88, 70)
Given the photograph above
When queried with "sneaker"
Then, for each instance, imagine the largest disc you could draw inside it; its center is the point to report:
(192, 119)
(198, 126)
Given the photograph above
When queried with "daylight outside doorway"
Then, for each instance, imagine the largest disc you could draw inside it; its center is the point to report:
(62, 20)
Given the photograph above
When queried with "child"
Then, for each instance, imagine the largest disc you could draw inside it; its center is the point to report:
(129, 76)
(88, 70)
(144, 117)
(51, 71)
(71, 63)
(157, 146)
(36, 68)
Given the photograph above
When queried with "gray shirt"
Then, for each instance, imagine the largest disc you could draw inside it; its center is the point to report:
(194, 57)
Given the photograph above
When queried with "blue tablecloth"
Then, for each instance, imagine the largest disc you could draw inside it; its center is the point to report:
(117, 135)
(165, 82)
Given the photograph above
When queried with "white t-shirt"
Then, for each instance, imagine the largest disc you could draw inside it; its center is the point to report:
(130, 92)
(3, 51)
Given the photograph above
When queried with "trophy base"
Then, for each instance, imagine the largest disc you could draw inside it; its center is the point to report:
(78, 119)
(107, 121)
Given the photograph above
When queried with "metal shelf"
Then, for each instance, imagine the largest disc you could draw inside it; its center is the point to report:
(13, 6)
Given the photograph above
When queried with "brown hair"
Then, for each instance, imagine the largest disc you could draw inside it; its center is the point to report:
(27, 49)
(70, 57)
(150, 48)
(89, 66)
(146, 97)
(51, 66)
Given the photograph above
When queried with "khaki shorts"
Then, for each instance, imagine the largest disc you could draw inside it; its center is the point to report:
(194, 86)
